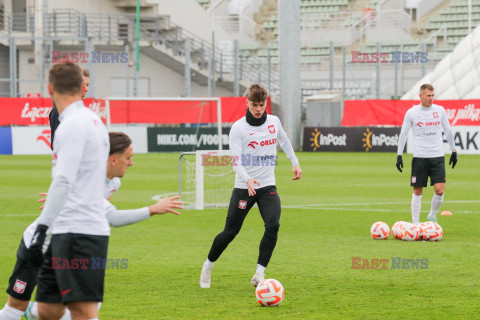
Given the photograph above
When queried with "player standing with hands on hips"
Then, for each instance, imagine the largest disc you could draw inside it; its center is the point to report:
(427, 120)
(253, 137)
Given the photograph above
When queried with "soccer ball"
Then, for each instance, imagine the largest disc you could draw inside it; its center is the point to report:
(380, 230)
(422, 227)
(410, 232)
(269, 293)
(433, 231)
(396, 229)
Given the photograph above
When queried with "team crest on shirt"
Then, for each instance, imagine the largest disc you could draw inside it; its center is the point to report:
(242, 204)
(271, 128)
(435, 114)
(414, 179)
(19, 286)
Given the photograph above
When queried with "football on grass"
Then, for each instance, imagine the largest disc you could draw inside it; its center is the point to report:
(432, 231)
(269, 293)
(380, 230)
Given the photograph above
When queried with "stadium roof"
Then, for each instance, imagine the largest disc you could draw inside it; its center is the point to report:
(457, 76)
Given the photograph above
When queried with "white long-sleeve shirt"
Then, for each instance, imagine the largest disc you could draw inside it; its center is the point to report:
(119, 218)
(116, 218)
(426, 124)
(253, 150)
(80, 149)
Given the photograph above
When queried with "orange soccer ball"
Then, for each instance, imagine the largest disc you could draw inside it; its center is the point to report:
(380, 230)
(270, 293)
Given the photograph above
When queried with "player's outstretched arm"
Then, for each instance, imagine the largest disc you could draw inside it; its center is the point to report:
(167, 204)
(120, 218)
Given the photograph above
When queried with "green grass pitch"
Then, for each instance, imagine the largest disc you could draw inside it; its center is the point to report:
(325, 222)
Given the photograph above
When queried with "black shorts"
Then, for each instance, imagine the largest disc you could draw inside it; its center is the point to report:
(422, 168)
(268, 203)
(73, 269)
(24, 275)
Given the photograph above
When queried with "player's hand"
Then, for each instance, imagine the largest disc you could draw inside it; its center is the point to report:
(166, 205)
(453, 159)
(297, 172)
(35, 250)
(43, 194)
(251, 186)
(399, 163)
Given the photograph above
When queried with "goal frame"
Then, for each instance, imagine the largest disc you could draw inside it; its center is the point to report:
(199, 175)
(200, 99)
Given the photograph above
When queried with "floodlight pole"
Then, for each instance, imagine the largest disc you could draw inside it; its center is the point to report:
(469, 16)
(138, 35)
(290, 88)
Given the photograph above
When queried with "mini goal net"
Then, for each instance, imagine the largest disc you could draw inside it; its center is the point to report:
(206, 179)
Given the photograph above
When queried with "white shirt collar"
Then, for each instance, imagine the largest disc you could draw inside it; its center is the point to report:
(70, 109)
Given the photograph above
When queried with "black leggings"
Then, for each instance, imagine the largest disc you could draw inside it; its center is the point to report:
(240, 204)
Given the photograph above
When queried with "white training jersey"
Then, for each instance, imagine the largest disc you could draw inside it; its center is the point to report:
(110, 187)
(253, 150)
(81, 148)
(426, 124)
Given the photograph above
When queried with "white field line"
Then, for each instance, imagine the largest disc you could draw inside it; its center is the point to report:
(319, 206)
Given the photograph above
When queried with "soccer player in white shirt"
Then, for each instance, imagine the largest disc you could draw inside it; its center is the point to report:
(74, 209)
(119, 160)
(427, 120)
(253, 149)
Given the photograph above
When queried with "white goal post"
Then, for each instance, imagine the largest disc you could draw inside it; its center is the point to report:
(160, 99)
(207, 180)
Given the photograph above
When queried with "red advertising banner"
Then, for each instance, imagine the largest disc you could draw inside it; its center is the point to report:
(392, 112)
(34, 111)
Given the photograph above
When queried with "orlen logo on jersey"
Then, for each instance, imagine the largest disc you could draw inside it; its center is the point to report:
(253, 144)
(263, 143)
(428, 124)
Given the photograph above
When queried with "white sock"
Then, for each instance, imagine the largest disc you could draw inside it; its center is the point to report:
(34, 309)
(9, 313)
(416, 208)
(208, 264)
(260, 269)
(93, 319)
(436, 203)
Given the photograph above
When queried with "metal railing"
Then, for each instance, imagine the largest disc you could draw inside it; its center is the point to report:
(112, 28)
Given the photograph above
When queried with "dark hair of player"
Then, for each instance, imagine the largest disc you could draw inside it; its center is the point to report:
(66, 78)
(257, 93)
(119, 142)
